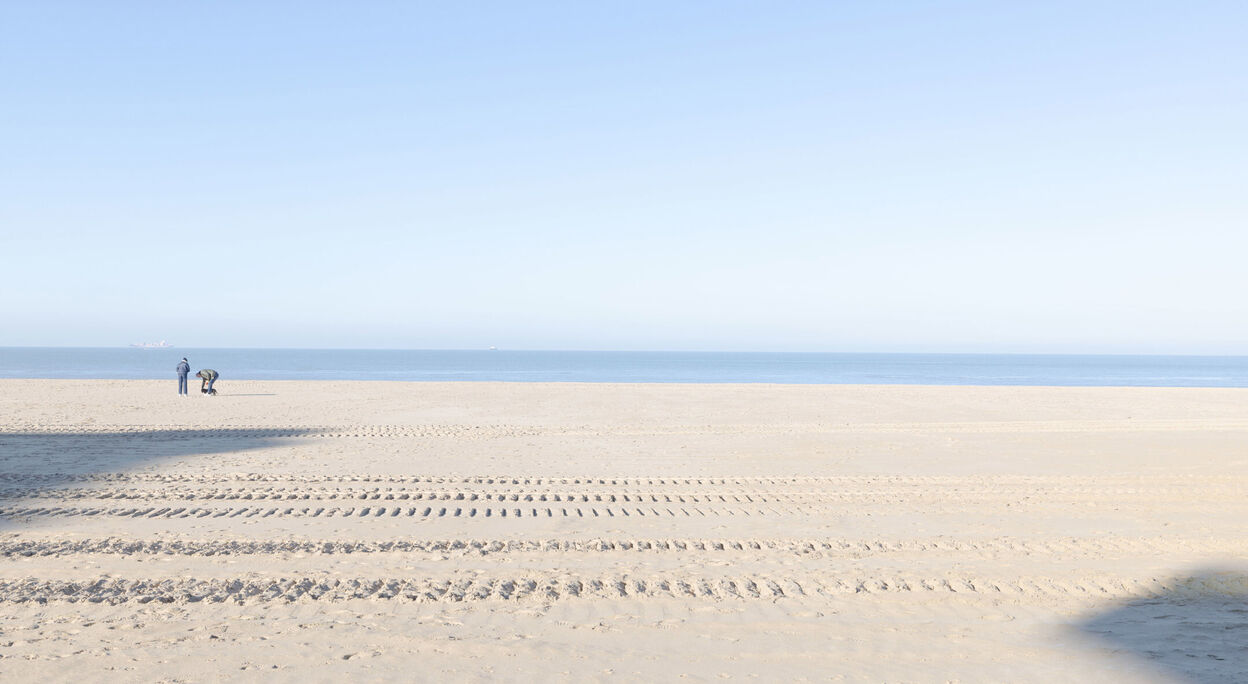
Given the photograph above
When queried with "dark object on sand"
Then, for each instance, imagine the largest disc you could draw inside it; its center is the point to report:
(208, 376)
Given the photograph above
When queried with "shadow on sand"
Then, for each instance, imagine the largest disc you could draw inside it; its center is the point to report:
(35, 462)
(1194, 627)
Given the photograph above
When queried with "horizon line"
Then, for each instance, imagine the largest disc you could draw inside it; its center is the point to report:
(639, 351)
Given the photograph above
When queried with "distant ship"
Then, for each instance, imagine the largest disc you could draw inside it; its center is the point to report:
(152, 345)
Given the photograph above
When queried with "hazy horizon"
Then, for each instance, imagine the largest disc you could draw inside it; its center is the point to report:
(846, 352)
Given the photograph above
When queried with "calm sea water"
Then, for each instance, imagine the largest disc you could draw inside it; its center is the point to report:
(582, 366)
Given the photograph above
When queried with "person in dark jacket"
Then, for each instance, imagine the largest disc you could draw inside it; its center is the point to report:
(183, 369)
(207, 376)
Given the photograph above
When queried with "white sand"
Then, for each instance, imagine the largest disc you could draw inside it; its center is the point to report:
(482, 531)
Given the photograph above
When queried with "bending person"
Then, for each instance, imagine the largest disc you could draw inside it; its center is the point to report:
(207, 376)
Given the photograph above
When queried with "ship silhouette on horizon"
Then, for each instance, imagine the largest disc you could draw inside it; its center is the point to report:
(151, 345)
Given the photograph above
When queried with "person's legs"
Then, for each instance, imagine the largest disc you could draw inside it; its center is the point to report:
(210, 385)
(181, 384)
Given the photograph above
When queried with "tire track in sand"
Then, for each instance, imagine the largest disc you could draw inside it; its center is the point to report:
(854, 548)
(870, 495)
(462, 431)
(557, 586)
(984, 482)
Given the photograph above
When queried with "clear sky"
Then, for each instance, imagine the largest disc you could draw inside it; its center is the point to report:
(825, 176)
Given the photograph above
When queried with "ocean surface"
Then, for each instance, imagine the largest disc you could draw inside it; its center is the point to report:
(588, 366)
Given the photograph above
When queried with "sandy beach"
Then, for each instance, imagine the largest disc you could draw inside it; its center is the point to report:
(512, 531)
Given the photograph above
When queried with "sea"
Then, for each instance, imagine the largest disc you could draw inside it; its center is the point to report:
(628, 366)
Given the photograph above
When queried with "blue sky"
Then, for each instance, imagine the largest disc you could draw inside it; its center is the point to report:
(957, 176)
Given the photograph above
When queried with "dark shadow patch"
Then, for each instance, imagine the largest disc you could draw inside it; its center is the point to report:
(35, 462)
(1193, 627)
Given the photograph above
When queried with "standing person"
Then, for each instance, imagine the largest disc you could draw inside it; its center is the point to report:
(183, 369)
(208, 376)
